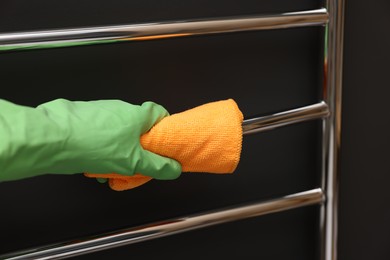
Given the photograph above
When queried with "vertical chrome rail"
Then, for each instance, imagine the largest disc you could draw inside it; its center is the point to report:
(333, 59)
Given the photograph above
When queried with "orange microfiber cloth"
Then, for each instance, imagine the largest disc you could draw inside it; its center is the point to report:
(207, 138)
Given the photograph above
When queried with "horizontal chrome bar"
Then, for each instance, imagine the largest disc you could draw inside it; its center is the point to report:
(154, 31)
(169, 227)
(269, 122)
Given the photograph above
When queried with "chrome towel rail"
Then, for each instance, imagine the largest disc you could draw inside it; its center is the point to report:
(293, 116)
(331, 130)
(154, 31)
(169, 227)
(329, 110)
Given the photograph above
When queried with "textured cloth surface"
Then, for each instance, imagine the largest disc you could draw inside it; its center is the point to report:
(206, 138)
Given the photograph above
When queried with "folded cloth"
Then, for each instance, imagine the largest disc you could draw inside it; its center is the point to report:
(207, 138)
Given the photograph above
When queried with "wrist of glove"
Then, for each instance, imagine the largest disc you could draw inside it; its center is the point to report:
(64, 137)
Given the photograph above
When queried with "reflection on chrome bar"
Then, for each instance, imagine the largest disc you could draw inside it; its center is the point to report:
(153, 31)
(169, 227)
(269, 122)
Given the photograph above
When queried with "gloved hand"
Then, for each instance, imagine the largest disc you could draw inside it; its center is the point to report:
(64, 137)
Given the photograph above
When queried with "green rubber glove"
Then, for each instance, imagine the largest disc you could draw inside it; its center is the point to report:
(64, 137)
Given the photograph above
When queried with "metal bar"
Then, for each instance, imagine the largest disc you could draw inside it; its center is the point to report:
(333, 59)
(169, 227)
(154, 31)
(264, 123)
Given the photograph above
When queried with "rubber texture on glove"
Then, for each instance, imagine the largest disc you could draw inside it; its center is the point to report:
(69, 137)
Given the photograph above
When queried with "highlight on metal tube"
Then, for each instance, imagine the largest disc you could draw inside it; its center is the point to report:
(269, 122)
(153, 31)
(331, 136)
(169, 227)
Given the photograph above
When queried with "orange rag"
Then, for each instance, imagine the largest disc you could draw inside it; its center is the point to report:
(206, 138)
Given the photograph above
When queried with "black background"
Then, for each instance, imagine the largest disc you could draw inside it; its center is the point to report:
(264, 72)
(364, 230)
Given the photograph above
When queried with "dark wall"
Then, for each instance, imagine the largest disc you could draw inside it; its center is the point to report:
(365, 169)
(263, 71)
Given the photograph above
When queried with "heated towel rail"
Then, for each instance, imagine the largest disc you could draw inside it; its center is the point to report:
(328, 110)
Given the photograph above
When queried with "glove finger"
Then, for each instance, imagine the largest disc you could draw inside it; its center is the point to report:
(158, 167)
(102, 180)
(151, 113)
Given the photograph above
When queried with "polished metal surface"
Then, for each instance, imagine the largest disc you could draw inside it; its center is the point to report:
(329, 110)
(333, 62)
(169, 227)
(154, 31)
(269, 122)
